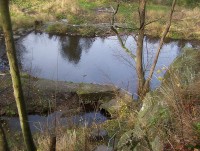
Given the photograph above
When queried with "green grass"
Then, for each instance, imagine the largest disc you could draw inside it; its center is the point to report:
(26, 3)
(154, 7)
(87, 5)
(24, 12)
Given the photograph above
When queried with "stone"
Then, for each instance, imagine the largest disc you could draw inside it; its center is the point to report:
(16, 37)
(150, 111)
(20, 31)
(64, 20)
(89, 93)
(103, 148)
(29, 30)
(125, 94)
(98, 134)
(113, 106)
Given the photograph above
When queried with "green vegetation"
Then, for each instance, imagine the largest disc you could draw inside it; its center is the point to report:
(185, 24)
(169, 116)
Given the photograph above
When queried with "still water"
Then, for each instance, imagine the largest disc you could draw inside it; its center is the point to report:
(92, 60)
(39, 123)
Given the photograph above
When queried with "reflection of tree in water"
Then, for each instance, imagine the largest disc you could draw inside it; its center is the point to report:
(3, 58)
(179, 43)
(4, 65)
(193, 43)
(152, 40)
(71, 47)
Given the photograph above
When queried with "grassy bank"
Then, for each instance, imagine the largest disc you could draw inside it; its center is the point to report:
(42, 97)
(185, 24)
(169, 116)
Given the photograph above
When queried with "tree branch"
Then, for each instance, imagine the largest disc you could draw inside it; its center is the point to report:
(161, 44)
(153, 21)
(116, 26)
(123, 45)
(118, 36)
(113, 15)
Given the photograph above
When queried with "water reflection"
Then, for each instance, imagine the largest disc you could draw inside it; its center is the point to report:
(4, 65)
(39, 123)
(3, 58)
(93, 60)
(72, 47)
(180, 43)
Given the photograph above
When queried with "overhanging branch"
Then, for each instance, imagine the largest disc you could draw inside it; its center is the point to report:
(118, 36)
(161, 43)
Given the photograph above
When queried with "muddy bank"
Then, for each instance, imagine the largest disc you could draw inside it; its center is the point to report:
(45, 96)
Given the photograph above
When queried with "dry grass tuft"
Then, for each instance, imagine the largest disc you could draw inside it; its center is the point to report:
(184, 104)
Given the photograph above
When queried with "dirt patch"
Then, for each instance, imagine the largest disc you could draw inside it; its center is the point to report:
(45, 96)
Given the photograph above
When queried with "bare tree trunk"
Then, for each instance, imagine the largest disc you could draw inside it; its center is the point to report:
(139, 51)
(146, 85)
(3, 141)
(14, 71)
(143, 83)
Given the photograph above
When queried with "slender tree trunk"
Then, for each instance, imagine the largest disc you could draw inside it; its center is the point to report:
(3, 141)
(143, 83)
(139, 51)
(14, 71)
(146, 85)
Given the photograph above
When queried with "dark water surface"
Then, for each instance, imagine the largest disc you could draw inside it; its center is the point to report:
(92, 60)
(40, 123)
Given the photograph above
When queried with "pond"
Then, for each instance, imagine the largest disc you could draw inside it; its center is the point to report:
(39, 123)
(92, 60)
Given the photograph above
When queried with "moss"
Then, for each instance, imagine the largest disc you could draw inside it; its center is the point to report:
(115, 127)
(184, 66)
(175, 35)
(24, 75)
(10, 110)
(76, 19)
(57, 28)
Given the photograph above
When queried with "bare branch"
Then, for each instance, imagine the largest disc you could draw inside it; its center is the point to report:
(113, 15)
(118, 36)
(123, 45)
(153, 21)
(116, 26)
(161, 44)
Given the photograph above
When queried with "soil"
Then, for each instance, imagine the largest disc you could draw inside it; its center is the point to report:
(44, 96)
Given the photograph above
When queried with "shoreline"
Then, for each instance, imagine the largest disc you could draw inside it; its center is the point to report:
(59, 28)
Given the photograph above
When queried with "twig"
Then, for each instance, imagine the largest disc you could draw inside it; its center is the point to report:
(113, 15)
(160, 45)
(153, 21)
(118, 36)
(116, 26)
